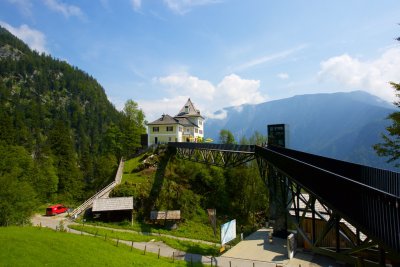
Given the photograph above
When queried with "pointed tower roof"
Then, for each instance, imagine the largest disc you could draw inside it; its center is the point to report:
(189, 110)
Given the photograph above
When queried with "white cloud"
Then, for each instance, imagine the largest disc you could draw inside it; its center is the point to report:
(231, 91)
(65, 9)
(264, 59)
(283, 76)
(372, 76)
(136, 4)
(153, 109)
(183, 83)
(184, 6)
(218, 115)
(237, 91)
(35, 39)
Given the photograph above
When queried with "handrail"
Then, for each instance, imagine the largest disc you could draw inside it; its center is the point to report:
(373, 211)
(385, 180)
(220, 147)
(102, 192)
(366, 197)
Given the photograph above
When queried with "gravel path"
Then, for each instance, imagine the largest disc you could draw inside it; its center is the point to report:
(251, 252)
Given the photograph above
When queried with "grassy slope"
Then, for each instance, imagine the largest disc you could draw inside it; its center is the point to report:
(30, 246)
(135, 177)
(187, 246)
(188, 229)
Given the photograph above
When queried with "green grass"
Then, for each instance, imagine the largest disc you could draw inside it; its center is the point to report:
(182, 245)
(135, 177)
(33, 246)
(188, 229)
(193, 229)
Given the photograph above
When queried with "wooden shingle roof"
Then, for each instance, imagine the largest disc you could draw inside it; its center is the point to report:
(165, 215)
(115, 203)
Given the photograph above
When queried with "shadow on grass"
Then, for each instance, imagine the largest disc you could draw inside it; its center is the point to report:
(157, 185)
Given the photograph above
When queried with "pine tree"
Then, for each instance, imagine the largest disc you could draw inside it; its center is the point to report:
(391, 141)
(226, 137)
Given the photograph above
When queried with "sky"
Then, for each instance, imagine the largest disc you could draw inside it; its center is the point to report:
(218, 53)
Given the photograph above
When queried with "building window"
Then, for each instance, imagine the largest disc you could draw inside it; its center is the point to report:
(169, 139)
(170, 128)
(196, 130)
(200, 122)
(201, 132)
(156, 129)
(180, 129)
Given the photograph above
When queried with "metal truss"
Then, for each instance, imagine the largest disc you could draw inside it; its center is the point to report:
(349, 244)
(221, 158)
(297, 204)
(353, 210)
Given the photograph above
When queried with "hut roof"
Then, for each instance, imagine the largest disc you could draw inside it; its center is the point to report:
(165, 215)
(115, 203)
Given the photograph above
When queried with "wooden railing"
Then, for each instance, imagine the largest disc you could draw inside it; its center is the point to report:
(103, 193)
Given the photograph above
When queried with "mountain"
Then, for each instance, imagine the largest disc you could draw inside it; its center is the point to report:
(344, 126)
(58, 119)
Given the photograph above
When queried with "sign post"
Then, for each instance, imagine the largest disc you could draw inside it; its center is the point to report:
(212, 216)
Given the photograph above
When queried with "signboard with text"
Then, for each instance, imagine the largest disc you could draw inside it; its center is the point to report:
(277, 135)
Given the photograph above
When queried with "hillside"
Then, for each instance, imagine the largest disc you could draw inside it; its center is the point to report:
(49, 248)
(338, 125)
(158, 180)
(59, 135)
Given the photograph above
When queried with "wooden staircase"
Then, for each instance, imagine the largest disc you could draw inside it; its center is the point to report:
(103, 193)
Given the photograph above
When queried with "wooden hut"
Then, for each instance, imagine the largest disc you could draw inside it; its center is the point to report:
(169, 218)
(113, 209)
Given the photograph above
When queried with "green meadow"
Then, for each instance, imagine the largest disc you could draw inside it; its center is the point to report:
(183, 245)
(34, 246)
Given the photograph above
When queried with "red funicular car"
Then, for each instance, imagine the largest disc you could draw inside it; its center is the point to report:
(56, 209)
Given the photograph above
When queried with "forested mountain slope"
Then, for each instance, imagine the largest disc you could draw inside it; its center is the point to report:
(59, 134)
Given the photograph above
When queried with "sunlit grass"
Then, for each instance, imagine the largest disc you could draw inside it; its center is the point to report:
(188, 229)
(129, 175)
(34, 246)
(182, 245)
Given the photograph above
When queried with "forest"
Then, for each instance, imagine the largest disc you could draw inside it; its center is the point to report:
(61, 141)
(60, 137)
(159, 180)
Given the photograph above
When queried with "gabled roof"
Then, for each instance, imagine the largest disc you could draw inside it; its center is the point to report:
(185, 122)
(188, 110)
(165, 119)
(115, 203)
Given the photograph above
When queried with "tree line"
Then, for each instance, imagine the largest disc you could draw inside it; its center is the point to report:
(236, 193)
(60, 137)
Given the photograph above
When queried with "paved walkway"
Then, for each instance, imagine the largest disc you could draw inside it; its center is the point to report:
(254, 251)
(256, 247)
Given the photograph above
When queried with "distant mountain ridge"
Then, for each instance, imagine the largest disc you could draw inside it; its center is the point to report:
(344, 126)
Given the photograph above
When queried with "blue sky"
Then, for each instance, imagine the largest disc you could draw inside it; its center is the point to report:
(219, 53)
